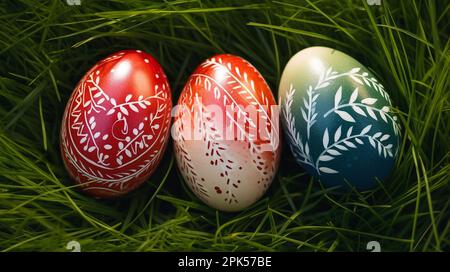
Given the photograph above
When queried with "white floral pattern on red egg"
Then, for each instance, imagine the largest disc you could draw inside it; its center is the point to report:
(116, 124)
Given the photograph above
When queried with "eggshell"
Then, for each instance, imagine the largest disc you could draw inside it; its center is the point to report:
(227, 170)
(116, 124)
(338, 119)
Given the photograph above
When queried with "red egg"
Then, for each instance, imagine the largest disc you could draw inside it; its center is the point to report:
(226, 133)
(116, 124)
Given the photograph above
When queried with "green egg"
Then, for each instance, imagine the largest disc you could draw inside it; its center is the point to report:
(338, 119)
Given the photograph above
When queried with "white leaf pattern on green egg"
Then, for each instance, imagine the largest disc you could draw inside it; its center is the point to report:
(334, 96)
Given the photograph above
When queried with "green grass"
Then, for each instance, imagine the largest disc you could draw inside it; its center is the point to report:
(47, 46)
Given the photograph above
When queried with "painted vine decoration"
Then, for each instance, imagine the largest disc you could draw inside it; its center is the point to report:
(192, 177)
(213, 147)
(239, 82)
(340, 142)
(91, 99)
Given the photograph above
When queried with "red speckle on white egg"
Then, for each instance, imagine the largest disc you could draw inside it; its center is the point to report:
(219, 147)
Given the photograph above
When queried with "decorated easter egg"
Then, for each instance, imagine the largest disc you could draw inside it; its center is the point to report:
(226, 133)
(338, 119)
(116, 124)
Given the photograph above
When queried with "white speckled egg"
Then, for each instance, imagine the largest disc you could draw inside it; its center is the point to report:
(226, 135)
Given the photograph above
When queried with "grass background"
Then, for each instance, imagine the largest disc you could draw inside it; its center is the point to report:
(47, 46)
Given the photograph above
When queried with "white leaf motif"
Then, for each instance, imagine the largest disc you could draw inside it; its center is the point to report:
(341, 147)
(357, 80)
(119, 162)
(345, 116)
(353, 96)
(124, 110)
(383, 116)
(111, 111)
(349, 131)
(366, 129)
(325, 158)
(350, 144)
(337, 134)
(372, 142)
(325, 139)
(305, 103)
(358, 110)
(134, 108)
(385, 137)
(369, 101)
(334, 152)
(355, 70)
(337, 97)
(328, 170)
(305, 117)
(371, 113)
